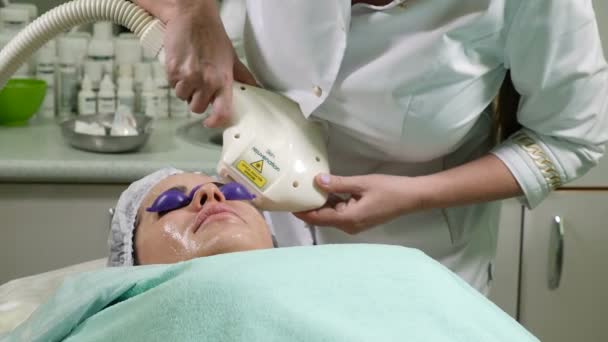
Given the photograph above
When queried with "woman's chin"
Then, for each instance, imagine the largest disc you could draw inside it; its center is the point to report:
(231, 244)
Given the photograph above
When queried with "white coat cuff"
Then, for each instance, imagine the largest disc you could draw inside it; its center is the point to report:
(534, 183)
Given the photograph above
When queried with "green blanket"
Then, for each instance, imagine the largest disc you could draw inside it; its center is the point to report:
(323, 293)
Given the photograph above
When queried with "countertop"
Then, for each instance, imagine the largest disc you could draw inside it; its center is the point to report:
(38, 153)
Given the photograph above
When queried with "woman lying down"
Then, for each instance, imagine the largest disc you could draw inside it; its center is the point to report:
(208, 272)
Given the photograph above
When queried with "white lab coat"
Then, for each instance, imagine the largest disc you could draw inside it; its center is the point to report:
(404, 90)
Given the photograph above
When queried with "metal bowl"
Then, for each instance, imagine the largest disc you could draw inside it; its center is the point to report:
(106, 143)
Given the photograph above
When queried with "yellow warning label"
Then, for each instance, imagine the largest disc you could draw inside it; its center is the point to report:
(258, 165)
(250, 172)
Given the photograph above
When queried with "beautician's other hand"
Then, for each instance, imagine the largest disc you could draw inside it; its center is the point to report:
(201, 62)
(370, 200)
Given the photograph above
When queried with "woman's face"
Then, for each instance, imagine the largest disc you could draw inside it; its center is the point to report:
(209, 225)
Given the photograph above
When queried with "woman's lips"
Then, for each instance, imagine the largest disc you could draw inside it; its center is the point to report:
(214, 212)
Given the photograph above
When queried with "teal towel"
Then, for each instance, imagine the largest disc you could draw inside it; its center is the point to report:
(322, 293)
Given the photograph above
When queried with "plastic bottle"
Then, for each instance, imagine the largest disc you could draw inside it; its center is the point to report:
(32, 9)
(102, 52)
(149, 97)
(141, 73)
(125, 95)
(94, 71)
(128, 49)
(46, 71)
(125, 70)
(77, 43)
(87, 99)
(106, 102)
(162, 86)
(178, 107)
(68, 83)
(103, 30)
(13, 19)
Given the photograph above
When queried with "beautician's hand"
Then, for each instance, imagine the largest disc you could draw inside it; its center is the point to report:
(201, 62)
(370, 200)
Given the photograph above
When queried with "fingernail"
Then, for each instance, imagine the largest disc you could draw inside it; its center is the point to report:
(325, 179)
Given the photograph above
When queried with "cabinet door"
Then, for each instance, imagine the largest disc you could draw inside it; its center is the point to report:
(44, 227)
(576, 309)
(506, 266)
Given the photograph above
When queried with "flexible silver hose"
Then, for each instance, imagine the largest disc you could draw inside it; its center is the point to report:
(74, 13)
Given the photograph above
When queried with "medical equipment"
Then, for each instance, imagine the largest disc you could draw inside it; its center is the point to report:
(270, 147)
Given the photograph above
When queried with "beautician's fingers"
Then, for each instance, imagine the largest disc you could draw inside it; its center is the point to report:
(209, 90)
(184, 91)
(372, 200)
(343, 214)
(222, 104)
(341, 185)
(200, 101)
(338, 212)
(333, 200)
(199, 54)
(222, 108)
(346, 216)
(352, 201)
(340, 206)
(344, 204)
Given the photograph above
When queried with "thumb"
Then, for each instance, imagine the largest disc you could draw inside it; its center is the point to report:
(222, 107)
(243, 75)
(338, 184)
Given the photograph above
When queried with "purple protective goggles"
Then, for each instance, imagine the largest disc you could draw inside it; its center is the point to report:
(173, 199)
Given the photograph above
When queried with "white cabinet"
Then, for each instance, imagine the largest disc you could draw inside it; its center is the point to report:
(577, 308)
(44, 227)
(505, 283)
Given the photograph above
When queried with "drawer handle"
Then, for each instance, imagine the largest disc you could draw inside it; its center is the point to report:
(556, 253)
(111, 212)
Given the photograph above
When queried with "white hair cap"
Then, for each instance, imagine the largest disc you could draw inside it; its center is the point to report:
(120, 240)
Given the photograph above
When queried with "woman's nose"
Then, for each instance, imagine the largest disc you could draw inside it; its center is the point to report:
(207, 193)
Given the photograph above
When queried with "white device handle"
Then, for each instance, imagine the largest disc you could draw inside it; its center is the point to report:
(64, 17)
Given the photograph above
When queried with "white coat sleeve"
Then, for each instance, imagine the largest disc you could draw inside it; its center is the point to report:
(554, 52)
